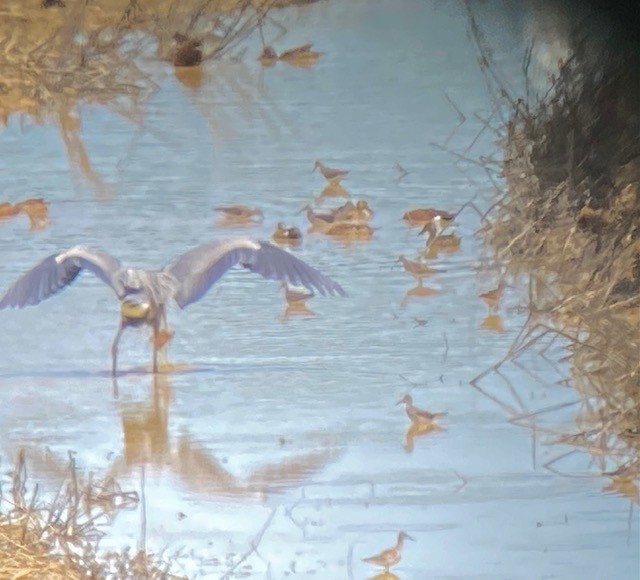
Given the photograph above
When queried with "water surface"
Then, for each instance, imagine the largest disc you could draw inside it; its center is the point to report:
(294, 421)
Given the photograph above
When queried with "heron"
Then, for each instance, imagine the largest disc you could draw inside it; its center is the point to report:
(144, 294)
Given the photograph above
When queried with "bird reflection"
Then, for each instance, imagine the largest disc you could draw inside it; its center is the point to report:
(238, 215)
(147, 442)
(418, 291)
(333, 189)
(384, 576)
(493, 322)
(295, 303)
(623, 485)
(416, 430)
(35, 208)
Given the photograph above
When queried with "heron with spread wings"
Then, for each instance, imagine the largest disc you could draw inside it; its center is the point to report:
(144, 294)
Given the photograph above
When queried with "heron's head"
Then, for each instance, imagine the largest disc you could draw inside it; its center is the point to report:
(317, 164)
(363, 205)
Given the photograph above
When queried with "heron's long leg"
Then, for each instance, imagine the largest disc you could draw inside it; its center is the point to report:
(114, 349)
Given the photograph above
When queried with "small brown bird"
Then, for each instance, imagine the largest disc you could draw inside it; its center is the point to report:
(239, 213)
(319, 221)
(390, 556)
(188, 51)
(268, 56)
(287, 235)
(417, 415)
(417, 269)
(492, 297)
(302, 55)
(330, 174)
(293, 296)
(423, 216)
(358, 212)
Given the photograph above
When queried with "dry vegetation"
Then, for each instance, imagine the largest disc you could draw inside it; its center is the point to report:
(569, 219)
(60, 537)
(56, 53)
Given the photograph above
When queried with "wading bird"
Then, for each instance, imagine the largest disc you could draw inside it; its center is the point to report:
(144, 294)
(492, 297)
(390, 556)
(417, 415)
(329, 173)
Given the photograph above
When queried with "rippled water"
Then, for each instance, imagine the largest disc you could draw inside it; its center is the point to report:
(295, 419)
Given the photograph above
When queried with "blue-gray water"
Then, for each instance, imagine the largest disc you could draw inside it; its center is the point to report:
(300, 417)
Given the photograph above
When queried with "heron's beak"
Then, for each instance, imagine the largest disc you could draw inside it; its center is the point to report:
(410, 537)
(305, 208)
(400, 402)
(426, 228)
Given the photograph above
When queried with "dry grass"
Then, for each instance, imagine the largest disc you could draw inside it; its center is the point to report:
(569, 219)
(60, 538)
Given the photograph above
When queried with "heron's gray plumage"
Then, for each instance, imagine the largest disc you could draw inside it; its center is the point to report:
(198, 269)
(57, 271)
(144, 293)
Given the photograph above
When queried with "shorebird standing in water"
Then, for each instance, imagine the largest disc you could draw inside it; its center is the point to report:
(492, 297)
(417, 415)
(390, 556)
(144, 294)
(332, 175)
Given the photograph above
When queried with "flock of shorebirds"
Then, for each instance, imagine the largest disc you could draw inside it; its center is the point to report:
(349, 221)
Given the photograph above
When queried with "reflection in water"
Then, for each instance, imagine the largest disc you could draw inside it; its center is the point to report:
(70, 128)
(416, 430)
(35, 208)
(190, 77)
(493, 322)
(418, 291)
(234, 215)
(623, 485)
(384, 576)
(333, 190)
(147, 442)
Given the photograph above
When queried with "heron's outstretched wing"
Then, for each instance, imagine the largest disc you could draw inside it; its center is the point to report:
(198, 269)
(57, 271)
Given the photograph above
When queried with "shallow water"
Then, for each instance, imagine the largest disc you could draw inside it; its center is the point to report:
(295, 419)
